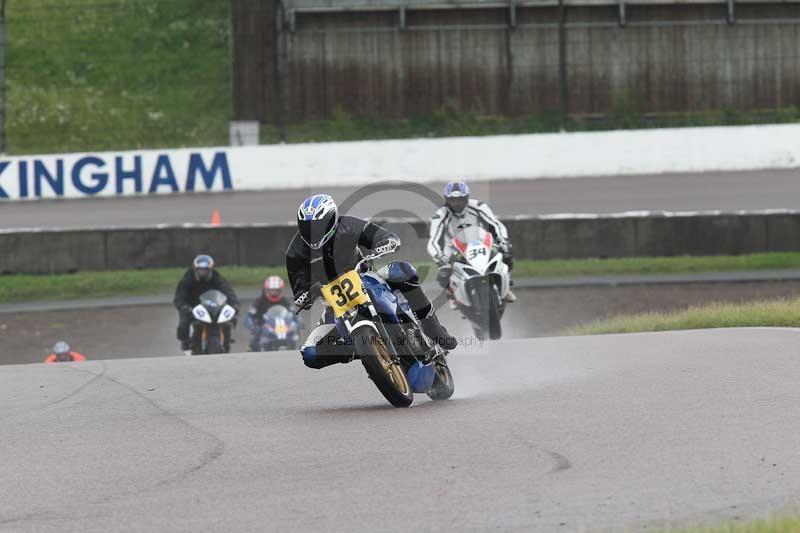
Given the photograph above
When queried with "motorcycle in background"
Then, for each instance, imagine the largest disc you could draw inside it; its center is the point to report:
(479, 281)
(211, 328)
(280, 330)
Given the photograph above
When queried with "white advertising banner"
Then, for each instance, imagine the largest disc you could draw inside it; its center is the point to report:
(559, 155)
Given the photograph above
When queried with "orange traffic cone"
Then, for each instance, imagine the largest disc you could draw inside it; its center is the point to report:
(216, 219)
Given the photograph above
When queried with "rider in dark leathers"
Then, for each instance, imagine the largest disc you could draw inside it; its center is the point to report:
(200, 278)
(335, 248)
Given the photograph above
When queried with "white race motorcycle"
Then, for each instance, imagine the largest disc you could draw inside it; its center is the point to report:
(479, 281)
(211, 328)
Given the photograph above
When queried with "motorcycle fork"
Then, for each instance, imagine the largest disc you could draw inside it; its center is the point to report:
(384, 334)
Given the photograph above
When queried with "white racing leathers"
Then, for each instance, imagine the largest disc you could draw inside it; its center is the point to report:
(445, 225)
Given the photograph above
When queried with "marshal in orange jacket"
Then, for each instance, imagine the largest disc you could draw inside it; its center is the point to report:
(52, 358)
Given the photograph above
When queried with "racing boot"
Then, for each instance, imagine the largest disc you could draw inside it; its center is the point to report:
(436, 331)
(510, 297)
(451, 298)
(186, 345)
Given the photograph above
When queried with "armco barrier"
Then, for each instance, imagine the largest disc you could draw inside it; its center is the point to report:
(545, 237)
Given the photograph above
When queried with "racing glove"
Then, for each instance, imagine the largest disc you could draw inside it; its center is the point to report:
(306, 299)
(508, 257)
(390, 244)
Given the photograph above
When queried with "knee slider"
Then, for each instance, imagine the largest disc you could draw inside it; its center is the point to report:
(310, 357)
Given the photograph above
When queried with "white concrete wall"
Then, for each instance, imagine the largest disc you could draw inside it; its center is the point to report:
(560, 155)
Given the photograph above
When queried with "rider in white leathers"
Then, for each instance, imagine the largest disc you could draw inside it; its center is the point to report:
(460, 211)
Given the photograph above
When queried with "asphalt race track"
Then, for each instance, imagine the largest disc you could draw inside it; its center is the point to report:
(558, 434)
(726, 191)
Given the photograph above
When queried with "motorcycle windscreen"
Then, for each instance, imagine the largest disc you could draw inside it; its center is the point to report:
(214, 301)
(277, 311)
(213, 298)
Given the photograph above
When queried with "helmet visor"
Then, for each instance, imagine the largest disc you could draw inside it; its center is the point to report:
(273, 295)
(457, 204)
(315, 233)
(203, 274)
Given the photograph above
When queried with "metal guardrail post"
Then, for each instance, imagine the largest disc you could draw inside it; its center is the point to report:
(512, 13)
(402, 17)
(2, 76)
(562, 63)
(623, 18)
(731, 11)
(279, 62)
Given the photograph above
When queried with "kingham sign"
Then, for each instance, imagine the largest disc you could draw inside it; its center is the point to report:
(73, 176)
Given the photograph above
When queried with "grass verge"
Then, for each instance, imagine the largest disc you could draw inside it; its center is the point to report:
(89, 75)
(656, 265)
(773, 313)
(24, 288)
(765, 525)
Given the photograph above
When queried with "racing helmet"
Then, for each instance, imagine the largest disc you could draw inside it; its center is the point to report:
(203, 266)
(316, 220)
(456, 196)
(273, 288)
(62, 351)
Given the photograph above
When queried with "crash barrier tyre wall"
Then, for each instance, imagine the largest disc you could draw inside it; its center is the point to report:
(44, 252)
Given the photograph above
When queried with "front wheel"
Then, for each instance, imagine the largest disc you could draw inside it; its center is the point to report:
(214, 345)
(382, 367)
(488, 314)
(443, 386)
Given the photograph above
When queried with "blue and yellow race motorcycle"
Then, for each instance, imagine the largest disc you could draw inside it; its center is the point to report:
(386, 336)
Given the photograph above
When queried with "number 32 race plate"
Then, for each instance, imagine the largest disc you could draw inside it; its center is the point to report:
(345, 293)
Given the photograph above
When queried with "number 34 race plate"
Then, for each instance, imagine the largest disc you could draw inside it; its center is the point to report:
(345, 292)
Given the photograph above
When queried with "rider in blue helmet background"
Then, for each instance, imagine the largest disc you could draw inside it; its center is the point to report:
(460, 210)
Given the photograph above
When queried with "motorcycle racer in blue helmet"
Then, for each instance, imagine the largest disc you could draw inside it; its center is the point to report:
(328, 244)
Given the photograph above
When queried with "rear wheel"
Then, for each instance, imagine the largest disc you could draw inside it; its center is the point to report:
(443, 385)
(383, 368)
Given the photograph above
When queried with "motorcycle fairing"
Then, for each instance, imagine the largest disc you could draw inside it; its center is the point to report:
(420, 376)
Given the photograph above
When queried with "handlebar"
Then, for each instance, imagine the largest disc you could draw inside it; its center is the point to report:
(378, 252)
